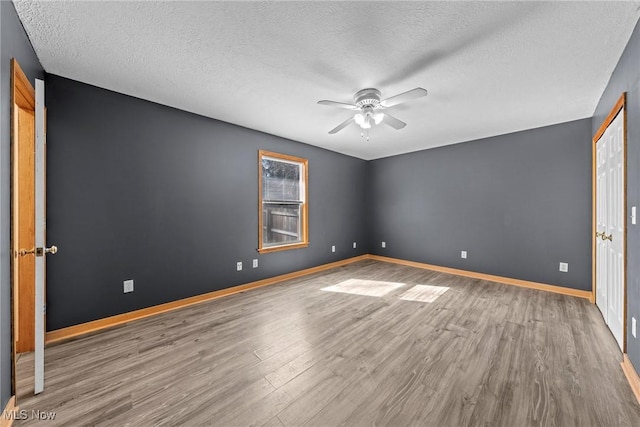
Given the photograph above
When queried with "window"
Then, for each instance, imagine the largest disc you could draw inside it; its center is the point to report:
(283, 202)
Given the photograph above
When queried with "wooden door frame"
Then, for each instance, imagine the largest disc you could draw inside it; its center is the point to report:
(22, 96)
(620, 106)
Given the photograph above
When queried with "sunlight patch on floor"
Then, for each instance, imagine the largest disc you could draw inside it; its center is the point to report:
(424, 293)
(371, 288)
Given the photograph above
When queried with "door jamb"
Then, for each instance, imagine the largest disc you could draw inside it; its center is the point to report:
(620, 106)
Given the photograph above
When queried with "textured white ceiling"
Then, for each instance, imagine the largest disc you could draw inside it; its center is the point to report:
(490, 67)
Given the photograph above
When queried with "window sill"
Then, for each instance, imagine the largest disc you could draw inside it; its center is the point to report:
(283, 247)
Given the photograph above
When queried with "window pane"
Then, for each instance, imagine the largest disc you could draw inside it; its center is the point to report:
(283, 204)
(280, 180)
(280, 224)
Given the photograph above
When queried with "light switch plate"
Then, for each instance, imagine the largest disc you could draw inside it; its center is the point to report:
(633, 215)
(564, 267)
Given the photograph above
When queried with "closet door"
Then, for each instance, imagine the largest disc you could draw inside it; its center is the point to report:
(610, 225)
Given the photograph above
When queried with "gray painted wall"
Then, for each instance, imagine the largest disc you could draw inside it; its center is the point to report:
(519, 204)
(14, 44)
(141, 191)
(626, 78)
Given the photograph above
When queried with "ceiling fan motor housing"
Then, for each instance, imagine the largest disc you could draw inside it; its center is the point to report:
(367, 97)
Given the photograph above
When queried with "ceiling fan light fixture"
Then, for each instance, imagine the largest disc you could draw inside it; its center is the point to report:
(368, 105)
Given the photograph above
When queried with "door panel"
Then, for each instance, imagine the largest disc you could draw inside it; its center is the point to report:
(24, 232)
(601, 225)
(615, 309)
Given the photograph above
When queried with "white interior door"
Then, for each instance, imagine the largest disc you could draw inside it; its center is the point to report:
(40, 225)
(615, 226)
(610, 225)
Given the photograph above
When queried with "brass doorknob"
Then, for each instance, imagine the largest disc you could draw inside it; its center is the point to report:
(38, 251)
(25, 252)
(598, 234)
(604, 236)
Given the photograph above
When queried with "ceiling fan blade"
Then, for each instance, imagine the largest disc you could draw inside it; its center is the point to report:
(404, 97)
(341, 126)
(339, 104)
(393, 122)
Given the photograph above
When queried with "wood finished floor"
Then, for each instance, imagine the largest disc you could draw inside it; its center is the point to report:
(481, 354)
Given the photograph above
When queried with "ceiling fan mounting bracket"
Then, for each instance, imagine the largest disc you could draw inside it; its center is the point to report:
(369, 96)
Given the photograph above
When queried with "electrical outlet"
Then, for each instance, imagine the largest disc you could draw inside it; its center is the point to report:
(633, 327)
(128, 286)
(255, 263)
(384, 244)
(354, 245)
(333, 248)
(564, 267)
(463, 254)
(239, 266)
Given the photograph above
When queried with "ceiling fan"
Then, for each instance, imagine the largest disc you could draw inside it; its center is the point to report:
(369, 109)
